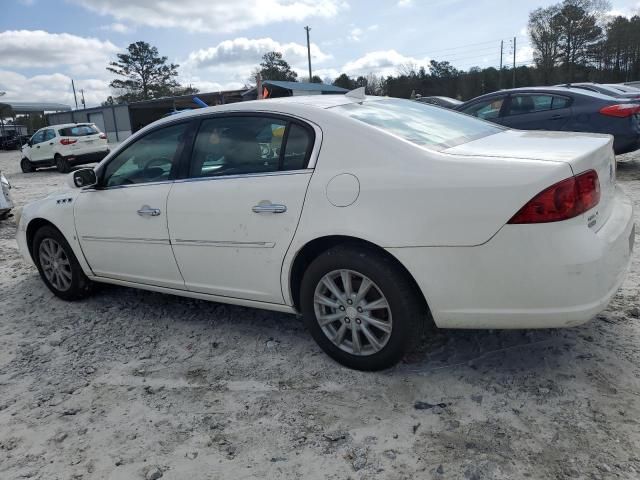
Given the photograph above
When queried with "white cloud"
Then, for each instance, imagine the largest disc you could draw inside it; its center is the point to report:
(355, 34)
(118, 28)
(524, 54)
(220, 16)
(405, 3)
(42, 50)
(55, 87)
(381, 62)
(232, 61)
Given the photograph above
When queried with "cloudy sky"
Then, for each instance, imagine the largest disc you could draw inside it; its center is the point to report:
(46, 43)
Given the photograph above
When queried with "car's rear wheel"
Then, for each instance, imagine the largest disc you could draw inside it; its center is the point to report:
(58, 266)
(62, 164)
(26, 166)
(361, 307)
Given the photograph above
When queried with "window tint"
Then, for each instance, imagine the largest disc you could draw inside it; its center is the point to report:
(38, 137)
(521, 104)
(49, 135)
(424, 125)
(237, 145)
(78, 131)
(486, 110)
(560, 102)
(299, 145)
(149, 159)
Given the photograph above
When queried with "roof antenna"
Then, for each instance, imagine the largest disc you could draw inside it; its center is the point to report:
(357, 93)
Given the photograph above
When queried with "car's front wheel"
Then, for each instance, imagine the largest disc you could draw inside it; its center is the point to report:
(26, 166)
(58, 266)
(62, 164)
(361, 307)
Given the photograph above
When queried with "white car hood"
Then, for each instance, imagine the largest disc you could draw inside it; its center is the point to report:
(533, 145)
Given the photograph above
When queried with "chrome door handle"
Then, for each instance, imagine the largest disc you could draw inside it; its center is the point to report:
(147, 211)
(268, 207)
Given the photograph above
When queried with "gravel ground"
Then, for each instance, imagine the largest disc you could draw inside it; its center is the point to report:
(133, 384)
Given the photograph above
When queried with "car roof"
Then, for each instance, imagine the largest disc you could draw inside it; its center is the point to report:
(551, 90)
(287, 105)
(66, 125)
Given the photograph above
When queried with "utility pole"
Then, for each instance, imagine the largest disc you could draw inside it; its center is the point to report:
(84, 105)
(514, 63)
(307, 28)
(500, 71)
(74, 93)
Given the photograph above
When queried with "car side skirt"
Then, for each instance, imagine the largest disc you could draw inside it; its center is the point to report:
(201, 296)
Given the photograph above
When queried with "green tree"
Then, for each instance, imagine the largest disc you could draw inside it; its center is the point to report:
(545, 35)
(577, 23)
(344, 81)
(274, 67)
(146, 75)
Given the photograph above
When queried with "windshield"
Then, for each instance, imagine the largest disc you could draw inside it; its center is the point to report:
(421, 124)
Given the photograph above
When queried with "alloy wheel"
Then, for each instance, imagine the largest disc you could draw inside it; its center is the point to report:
(353, 312)
(55, 264)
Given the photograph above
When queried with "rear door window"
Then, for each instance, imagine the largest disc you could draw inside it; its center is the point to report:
(49, 135)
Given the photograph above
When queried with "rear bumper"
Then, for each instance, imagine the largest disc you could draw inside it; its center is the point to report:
(528, 276)
(84, 158)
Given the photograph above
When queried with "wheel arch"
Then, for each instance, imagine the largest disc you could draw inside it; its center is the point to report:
(32, 227)
(312, 249)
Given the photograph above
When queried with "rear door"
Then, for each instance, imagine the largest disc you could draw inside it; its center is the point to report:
(533, 111)
(232, 220)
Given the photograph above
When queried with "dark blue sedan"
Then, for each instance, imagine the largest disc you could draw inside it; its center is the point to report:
(561, 109)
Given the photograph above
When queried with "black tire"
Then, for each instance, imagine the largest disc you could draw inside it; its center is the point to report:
(80, 286)
(409, 312)
(26, 166)
(62, 164)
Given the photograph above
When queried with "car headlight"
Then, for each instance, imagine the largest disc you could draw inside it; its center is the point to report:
(4, 181)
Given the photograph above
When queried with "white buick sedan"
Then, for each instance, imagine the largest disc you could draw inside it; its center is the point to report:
(372, 217)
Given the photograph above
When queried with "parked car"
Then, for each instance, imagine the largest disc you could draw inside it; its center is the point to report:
(12, 140)
(407, 212)
(6, 204)
(446, 102)
(604, 89)
(624, 88)
(63, 146)
(561, 109)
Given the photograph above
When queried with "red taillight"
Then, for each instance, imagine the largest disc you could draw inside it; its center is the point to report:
(622, 111)
(68, 141)
(566, 199)
(103, 136)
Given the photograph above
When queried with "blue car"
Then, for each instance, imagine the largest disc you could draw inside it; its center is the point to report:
(561, 109)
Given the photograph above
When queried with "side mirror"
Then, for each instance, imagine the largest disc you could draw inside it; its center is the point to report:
(85, 177)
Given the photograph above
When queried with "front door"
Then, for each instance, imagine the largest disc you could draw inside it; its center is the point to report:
(232, 221)
(36, 152)
(122, 224)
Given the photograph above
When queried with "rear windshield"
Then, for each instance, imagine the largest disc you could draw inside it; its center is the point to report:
(78, 131)
(421, 124)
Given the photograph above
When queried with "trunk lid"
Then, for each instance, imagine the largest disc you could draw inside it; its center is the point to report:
(582, 151)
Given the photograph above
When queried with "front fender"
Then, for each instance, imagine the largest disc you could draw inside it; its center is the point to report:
(57, 210)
